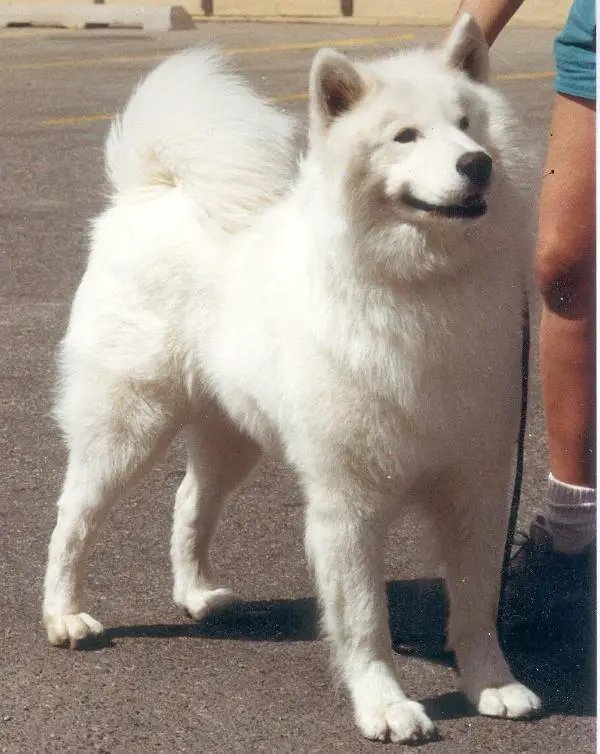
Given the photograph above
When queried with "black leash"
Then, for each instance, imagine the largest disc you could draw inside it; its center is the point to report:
(516, 497)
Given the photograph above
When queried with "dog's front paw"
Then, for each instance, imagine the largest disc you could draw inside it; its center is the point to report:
(199, 603)
(400, 722)
(513, 700)
(71, 628)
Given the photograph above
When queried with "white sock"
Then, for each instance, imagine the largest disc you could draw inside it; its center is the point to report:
(571, 516)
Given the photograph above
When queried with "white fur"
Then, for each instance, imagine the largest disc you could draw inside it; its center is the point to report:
(375, 345)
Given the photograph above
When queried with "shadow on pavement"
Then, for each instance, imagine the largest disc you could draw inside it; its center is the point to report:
(557, 659)
(556, 656)
(274, 620)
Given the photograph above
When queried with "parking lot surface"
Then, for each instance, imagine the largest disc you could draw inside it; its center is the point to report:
(256, 679)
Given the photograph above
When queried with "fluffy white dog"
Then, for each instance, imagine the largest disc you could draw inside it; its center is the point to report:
(359, 313)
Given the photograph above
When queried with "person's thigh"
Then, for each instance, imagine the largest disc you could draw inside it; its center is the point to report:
(565, 257)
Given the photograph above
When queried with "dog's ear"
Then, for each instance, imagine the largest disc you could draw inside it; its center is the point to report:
(467, 49)
(335, 86)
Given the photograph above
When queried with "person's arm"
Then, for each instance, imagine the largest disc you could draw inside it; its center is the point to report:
(490, 15)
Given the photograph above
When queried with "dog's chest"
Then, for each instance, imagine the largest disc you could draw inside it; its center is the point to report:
(417, 394)
(431, 352)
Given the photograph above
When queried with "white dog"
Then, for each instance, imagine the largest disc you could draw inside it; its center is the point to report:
(360, 314)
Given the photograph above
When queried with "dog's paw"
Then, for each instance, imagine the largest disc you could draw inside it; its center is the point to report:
(71, 628)
(513, 700)
(400, 722)
(199, 603)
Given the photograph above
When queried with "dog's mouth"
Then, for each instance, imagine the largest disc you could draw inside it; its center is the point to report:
(472, 206)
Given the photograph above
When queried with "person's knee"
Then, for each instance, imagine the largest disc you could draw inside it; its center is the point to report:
(565, 275)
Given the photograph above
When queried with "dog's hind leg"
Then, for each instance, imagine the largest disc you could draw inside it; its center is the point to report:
(113, 438)
(345, 541)
(219, 457)
(472, 524)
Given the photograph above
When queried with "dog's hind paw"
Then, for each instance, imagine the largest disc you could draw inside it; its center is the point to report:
(199, 603)
(513, 700)
(400, 722)
(71, 628)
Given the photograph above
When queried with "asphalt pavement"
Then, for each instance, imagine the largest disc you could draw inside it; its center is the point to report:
(257, 678)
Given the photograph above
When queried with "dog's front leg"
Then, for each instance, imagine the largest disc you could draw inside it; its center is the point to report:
(345, 546)
(474, 517)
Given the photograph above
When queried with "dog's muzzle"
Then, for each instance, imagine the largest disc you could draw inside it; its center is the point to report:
(477, 168)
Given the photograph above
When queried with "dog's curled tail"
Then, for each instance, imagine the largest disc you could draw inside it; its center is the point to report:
(193, 125)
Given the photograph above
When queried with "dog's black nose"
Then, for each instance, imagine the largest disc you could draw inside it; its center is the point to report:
(477, 166)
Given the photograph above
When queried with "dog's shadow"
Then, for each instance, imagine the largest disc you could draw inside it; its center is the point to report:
(557, 659)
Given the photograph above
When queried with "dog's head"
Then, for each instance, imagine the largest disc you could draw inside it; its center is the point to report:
(410, 136)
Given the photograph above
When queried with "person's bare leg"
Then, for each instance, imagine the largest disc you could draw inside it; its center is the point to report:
(565, 270)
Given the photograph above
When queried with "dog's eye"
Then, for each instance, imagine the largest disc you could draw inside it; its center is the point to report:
(463, 123)
(407, 135)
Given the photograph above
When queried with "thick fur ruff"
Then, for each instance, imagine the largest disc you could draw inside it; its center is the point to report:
(358, 312)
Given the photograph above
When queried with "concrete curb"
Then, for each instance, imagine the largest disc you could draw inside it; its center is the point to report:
(533, 13)
(389, 21)
(147, 17)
